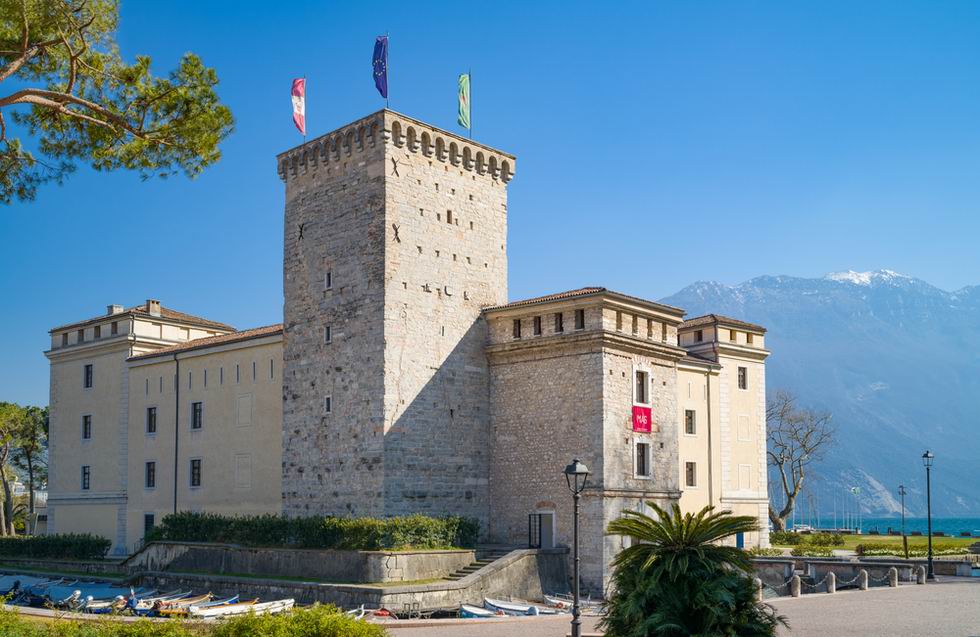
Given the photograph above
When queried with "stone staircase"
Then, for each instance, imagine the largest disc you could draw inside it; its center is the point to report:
(486, 555)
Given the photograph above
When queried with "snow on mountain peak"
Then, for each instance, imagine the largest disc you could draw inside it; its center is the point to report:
(867, 278)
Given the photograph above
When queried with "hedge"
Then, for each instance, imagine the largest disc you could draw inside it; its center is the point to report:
(790, 538)
(810, 550)
(316, 621)
(365, 534)
(76, 546)
(915, 550)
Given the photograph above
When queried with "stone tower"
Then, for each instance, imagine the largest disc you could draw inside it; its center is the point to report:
(395, 238)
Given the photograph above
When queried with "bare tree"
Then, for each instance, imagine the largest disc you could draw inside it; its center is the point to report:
(796, 436)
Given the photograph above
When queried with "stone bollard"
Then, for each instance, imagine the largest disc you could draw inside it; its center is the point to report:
(920, 575)
(893, 577)
(757, 583)
(863, 579)
(794, 586)
(831, 583)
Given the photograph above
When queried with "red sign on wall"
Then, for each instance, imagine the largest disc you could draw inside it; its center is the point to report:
(642, 419)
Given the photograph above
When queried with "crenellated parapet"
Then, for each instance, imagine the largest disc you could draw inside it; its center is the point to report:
(400, 131)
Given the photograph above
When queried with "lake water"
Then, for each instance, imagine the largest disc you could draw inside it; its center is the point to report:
(949, 526)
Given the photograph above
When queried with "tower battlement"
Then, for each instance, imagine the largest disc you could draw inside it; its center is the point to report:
(401, 131)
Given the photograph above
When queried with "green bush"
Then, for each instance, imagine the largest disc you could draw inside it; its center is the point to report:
(825, 539)
(758, 551)
(72, 546)
(810, 550)
(316, 621)
(364, 534)
(785, 538)
(915, 550)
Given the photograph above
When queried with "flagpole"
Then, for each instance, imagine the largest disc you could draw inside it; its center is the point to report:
(469, 72)
(387, 68)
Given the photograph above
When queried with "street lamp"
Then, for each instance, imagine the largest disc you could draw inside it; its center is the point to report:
(927, 458)
(576, 475)
(905, 543)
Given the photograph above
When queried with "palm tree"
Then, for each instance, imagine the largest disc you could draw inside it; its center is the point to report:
(676, 578)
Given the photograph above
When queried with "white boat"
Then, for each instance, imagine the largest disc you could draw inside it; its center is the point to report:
(357, 613)
(465, 610)
(509, 608)
(242, 608)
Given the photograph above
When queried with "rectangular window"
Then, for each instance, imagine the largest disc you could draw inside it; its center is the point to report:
(663, 332)
(254, 371)
(636, 324)
(559, 323)
(238, 373)
(748, 338)
(690, 422)
(87, 377)
(650, 328)
(733, 335)
(272, 368)
(64, 339)
(81, 336)
(205, 378)
(327, 334)
(86, 477)
(327, 404)
(449, 216)
(743, 377)
(151, 420)
(536, 323)
(151, 475)
(197, 415)
(328, 280)
(698, 336)
(115, 328)
(98, 331)
(149, 521)
(580, 319)
(196, 472)
(691, 474)
(190, 380)
(642, 460)
(619, 321)
(642, 394)
(146, 389)
(221, 375)
(86, 427)
(517, 328)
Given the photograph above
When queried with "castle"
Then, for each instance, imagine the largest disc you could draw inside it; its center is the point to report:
(402, 380)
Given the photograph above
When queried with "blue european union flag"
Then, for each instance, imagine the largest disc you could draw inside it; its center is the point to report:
(381, 65)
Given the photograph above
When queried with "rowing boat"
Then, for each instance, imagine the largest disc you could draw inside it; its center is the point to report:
(242, 608)
(473, 612)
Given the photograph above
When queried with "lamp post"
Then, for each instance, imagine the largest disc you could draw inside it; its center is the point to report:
(576, 475)
(927, 458)
(905, 543)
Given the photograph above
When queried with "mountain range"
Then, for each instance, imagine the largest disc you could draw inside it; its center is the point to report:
(894, 359)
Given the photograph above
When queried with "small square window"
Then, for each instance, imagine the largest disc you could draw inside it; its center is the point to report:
(748, 338)
(64, 339)
(86, 427)
(86, 477)
(743, 377)
(691, 474)
(115, 328)
(690, 423)
(698, 336)
(197, 415)
(642, 394)
(151, 420)
(733, 335)
(536, 324)
(150, 475)
(328, 280)
(517, 328)
(449, 216)
(87, 377)
(98, 331)
(196, 472)
(559, 322)
(327, 404)
(642, 460)
(327, 336)
(81, 336)
(580, 319)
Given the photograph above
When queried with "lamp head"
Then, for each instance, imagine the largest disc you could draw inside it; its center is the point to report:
(927, 459)
(576, 475)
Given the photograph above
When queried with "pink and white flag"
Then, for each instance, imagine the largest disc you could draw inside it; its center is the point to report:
(299, 104)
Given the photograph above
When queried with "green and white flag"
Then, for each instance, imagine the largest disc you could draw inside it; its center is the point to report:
(463, 119)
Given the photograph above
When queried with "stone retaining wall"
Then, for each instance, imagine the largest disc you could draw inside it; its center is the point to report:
(329, 565)
(108, 567)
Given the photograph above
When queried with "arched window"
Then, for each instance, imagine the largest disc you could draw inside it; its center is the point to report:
(396, 133)
(453, 154)
(494, 172)
(426, 144)
(467, 158)
(505, 173)
(413, 142)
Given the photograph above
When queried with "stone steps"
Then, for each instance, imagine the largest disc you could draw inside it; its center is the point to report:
(487, 556)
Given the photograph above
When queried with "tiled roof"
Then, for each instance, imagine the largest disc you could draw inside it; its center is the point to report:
(211, 341)
(709, 319)
(571, 294)
(140, 312)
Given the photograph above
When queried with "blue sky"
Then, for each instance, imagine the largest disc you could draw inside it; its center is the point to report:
(658, 144)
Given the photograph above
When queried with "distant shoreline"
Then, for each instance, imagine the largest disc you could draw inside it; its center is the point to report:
(949, 526)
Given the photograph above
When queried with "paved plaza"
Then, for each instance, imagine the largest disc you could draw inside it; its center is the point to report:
(950, 607)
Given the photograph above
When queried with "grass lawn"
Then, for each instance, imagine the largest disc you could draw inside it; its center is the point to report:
(851, 541)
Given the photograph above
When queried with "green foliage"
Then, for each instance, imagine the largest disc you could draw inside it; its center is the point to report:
(87, 104)
(825, 539)
(758, 551)
(785, 538)
(811, 550)
(316, 621)
(73, 546)
(366, 534)
(789, 538)
(677, 579)
(915, 550)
